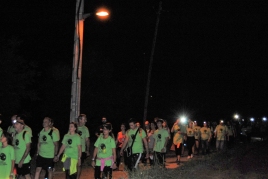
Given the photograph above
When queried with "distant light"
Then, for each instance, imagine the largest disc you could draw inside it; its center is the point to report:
(183, 119)
(252, 119)
(151, 96)
(236, 116)
(264, 119)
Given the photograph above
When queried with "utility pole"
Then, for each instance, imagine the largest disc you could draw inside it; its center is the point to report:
(151, 63)
(77, 61)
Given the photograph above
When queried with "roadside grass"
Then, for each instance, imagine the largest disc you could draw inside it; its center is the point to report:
(246, 161)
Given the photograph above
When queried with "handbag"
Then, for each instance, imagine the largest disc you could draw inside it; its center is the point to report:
(129, 148)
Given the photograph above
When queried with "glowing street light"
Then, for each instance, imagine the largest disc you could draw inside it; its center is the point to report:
(102, 13)
(252, 119)
(264, 119)
(77, 57)
(236, 116)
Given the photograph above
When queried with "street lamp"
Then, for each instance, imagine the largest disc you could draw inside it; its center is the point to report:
(236, 117)
(77, 58)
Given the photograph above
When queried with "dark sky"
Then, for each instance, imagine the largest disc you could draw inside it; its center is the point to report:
(209, 61)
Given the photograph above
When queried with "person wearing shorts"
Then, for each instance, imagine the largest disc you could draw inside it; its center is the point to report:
(179, 132)
(161, 139)
(84, 134)
(46, 149)
(138, 143)
(22, 146)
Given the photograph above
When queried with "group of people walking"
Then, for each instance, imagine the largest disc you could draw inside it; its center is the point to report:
(134, 145)
(16, 144)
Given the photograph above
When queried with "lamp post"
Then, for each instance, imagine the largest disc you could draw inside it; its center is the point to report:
(77, 58)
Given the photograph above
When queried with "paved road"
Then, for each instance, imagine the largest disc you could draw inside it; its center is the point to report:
(88, 171)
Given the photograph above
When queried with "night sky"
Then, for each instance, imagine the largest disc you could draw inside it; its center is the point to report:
(209, 61)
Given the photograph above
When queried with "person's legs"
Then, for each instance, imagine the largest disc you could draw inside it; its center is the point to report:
(222, 144)
(107, 172)
(73, 176)
(197, 146)
(67, 175)
(37, 172)
(50, 172)
(97, 172)
(24, 171)
(118, 157)
(135, 158)
(217, 145)
(79, 168)
(178, 152)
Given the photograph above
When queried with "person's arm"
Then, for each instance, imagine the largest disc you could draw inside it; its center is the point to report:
(124, 145)
(169, 136)
(94, 157)
(209, 135)
(79, 154)
(26, 152)
(146, 146)
(114, 158)
(215, 133)
(165, 145)
(116, 141)
(60, 152)
(56, 147)
(172, 129)
(12, 169)
(38, 147)
(88, 146)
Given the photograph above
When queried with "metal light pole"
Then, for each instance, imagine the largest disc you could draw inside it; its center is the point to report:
(151, 64)
(77, 58)
(77, 61)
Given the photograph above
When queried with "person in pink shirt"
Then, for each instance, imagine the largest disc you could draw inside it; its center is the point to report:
(121, 136)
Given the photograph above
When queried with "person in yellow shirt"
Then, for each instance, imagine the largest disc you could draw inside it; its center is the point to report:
(179, 132)
(221, 133)
(190, 139)
(205, 138)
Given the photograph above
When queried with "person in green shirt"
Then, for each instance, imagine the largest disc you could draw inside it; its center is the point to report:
(205, 137)
(72, 148)
(47, 149)
(161, 137)
(179, 132)
(84, 133)
(22, 146)
(7, 157)
(26, 128)
(104, 155)
(137, 147)
(190, 139)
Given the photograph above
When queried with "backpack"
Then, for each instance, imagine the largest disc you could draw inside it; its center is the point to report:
(50, 133)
